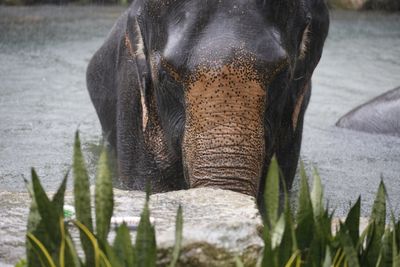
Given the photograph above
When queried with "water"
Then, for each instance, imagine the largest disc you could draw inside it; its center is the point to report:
(43, 100)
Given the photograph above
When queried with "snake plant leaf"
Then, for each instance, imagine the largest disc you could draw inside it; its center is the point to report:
(395, 247)
(352, 221)
(378, 219)
(277, 232)
(123, 248)
(71, 252)
(316, 195)
(145, 240)
(304, 217)
(378, 214)
(21, 263)
(82, 199)
(386, 251)
(47, 210)
(34, 226)
(328, 258)
(269, 258)
(109, 256)
(178, 237)
(104, 202)
(271, 193)
(238, 262)
(348, 246)
(58, 198)
(395, 242)
(43, 254)
(288, 246)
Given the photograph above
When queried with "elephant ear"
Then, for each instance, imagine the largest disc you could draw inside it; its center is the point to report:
(135, 45)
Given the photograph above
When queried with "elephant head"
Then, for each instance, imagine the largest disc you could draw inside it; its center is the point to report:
(224, 85)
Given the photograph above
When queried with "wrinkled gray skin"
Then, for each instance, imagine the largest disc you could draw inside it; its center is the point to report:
(380, 115)
(194, 93)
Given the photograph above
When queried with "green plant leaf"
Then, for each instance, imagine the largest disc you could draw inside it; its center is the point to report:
(316, 195)
(269, 258)
(103, 197)
(34, 226)
(71, 251)
(112, 258)
(271, 193)
(42, 252)
(83, 230)
(82, 199)
(123, 248)
(305, 218)
(21, 263)
(348, 247)
(58, 198)
(178, 237)
(238, 262)
(294, 258)
(395, 250)
(378, 219)
(378, 214)
(328, 258)
(288, 246)
(386, 251)
(353, 221)
(145, 239)
(50, 215)
(277, 232)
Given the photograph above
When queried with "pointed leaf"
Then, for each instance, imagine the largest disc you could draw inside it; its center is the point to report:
(316, 195)
(123, 247)
(268, 259)
(41, 251)
(46, 210)
(328, 258)
(178, 237)
(83, 230)
(82, 199)
(378, 219)
(103, 197)
(58, 198)
(379, 209)
(277, 232)
(145, 240)
(271, 193)
(348, 247)
(238, 262)
(305, 217)
(395, 252)
(288, 246)
(353, 221)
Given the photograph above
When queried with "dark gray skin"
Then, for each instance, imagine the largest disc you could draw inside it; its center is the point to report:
(380, 115)
(195, 93)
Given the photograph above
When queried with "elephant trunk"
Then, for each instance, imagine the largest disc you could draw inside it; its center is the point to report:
(224, 143)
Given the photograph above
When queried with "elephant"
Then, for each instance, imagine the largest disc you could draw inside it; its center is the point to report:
(380, 115)
(203, 93)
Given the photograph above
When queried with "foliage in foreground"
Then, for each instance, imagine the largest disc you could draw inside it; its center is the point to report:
(50, 244)
(301, 238)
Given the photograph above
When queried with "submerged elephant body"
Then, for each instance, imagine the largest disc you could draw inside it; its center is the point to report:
(202, 93)
(381, 115)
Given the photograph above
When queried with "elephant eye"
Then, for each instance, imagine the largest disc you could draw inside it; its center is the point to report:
(305, 40)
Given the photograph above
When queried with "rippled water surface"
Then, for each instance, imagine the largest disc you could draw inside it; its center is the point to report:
(43, 100)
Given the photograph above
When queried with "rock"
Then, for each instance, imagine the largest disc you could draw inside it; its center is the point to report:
(218, 224)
